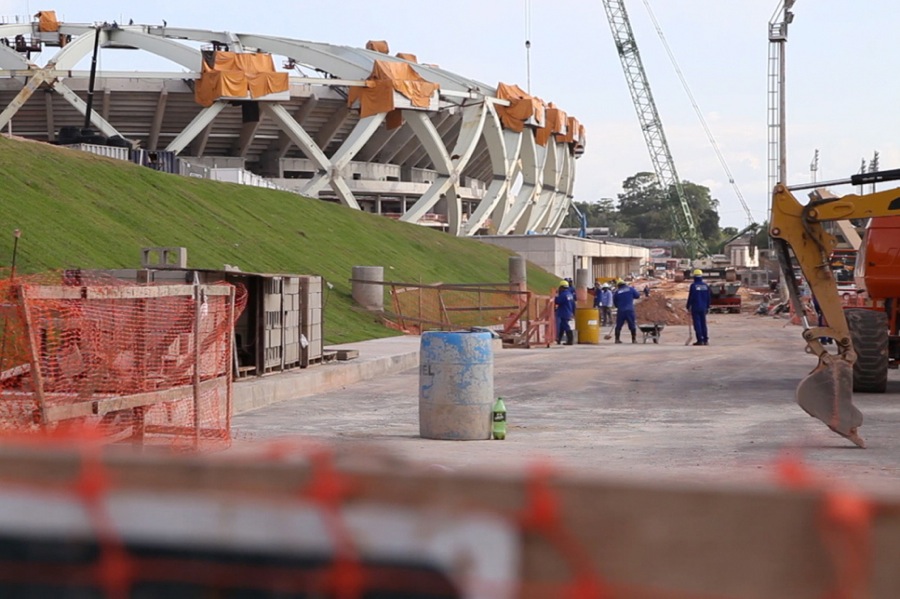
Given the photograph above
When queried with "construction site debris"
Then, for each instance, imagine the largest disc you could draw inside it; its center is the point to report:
(659, 309)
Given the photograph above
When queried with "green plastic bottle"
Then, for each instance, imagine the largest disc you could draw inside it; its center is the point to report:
(498, 417)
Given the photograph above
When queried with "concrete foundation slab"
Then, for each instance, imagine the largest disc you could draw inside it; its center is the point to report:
(724, 411)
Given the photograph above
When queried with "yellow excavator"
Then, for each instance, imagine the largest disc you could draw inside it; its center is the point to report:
(867, 339)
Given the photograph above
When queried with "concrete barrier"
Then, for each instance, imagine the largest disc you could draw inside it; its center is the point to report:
(377, 357)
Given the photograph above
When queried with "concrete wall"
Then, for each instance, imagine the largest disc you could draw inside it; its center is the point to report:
(562, 255)
(216, 161)
(372, 178)
(740, 256)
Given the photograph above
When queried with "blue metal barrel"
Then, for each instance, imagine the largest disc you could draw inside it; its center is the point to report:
(456, 385)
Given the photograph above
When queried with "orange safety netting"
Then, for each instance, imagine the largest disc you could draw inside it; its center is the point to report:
(386, 78)
(845, 522)
(105, 556)
(521, 107)
(417, 308)
(47, 22)
(238, 75)
(517, 315)
(148, 363)
(555, 121)
(279, 521)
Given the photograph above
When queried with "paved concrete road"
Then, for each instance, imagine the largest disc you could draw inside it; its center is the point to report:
(724, 411)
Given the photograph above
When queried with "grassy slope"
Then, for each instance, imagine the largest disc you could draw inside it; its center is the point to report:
(79, 210)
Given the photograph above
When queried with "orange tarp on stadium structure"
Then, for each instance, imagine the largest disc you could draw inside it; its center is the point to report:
(386, 78)
(408, 56)
(554, 124)
(581, 141)
(378, 46)
(573, 131)
(521, 107)
(237, 75)
(47, 22)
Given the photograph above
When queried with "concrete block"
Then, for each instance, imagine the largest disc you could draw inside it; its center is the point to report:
(164, 257)
(272, 303)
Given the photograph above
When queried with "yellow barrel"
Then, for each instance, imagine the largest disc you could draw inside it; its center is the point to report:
(587, 323)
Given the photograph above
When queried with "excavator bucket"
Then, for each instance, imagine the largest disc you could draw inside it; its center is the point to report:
(827, 394)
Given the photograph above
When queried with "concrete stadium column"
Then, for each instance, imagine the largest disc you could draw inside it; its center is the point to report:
(518, 272)
(368, 295)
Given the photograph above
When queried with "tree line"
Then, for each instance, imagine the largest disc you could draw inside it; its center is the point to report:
(643, 210)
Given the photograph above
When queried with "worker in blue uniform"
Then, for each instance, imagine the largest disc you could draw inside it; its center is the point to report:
(623, 298)
(565, 311)
(603, 299)
(698, 305)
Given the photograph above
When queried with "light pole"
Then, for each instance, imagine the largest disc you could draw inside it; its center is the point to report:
(777, 155)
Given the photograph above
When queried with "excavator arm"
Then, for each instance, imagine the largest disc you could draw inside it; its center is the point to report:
(827, 392)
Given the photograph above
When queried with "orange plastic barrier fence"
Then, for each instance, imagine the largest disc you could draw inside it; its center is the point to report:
(519, 316)
(149, 363)
(285, 519)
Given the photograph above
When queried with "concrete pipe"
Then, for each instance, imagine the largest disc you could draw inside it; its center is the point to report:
(456, 385)
(582, 282)
(518, 273)
(368, 295)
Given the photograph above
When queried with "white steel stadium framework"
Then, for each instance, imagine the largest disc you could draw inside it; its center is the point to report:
(451, 165)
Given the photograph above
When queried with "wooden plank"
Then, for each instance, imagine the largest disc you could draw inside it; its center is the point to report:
(19, 370)
(61, 292)
(347, 354)
(229, 372)
(58, 413)
(184, 431)
(198, 312)
(34, 354)
(127, 402)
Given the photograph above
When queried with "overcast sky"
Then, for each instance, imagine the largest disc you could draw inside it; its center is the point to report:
(842, 90)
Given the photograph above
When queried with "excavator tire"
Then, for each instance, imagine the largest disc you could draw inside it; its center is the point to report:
(869, 334)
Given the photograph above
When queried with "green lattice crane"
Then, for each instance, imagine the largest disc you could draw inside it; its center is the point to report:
(651, 125)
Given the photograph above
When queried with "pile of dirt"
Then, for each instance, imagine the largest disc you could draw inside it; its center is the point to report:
(657, 308)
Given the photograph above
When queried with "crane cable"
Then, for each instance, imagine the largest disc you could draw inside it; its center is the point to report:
(709, 135)
(528, 46)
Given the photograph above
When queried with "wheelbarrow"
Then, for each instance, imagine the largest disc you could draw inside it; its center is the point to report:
(652, 331)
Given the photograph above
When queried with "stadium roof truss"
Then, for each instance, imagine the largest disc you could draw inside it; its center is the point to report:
(456, 161)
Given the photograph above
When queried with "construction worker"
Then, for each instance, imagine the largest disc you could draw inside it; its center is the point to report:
(603, 299)
(623, 298)
(595, 291)
(698, 305)
(565, 311)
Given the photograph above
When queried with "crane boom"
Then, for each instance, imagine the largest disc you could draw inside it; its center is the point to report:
(651, 125)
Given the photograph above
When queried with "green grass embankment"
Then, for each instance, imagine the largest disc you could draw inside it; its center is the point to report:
(79, 210)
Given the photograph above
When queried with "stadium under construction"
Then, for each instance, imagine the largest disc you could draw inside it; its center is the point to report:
(376, 132)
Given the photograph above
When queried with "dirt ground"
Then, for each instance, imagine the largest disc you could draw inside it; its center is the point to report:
(724, 411)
